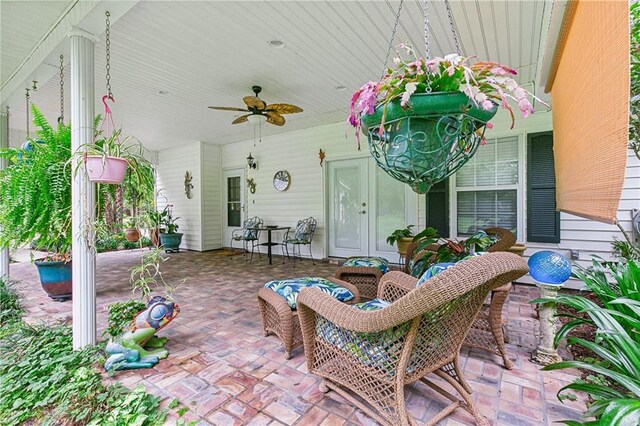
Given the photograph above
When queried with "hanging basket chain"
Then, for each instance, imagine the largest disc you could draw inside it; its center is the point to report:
(108, 50)
(453, 27)
(27, 102)
(393, 34)
(61, 118)
(8, 128)
(427, 48)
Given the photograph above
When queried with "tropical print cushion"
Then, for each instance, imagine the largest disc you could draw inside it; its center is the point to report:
(289, 289)
(371, 349)
(372, 262)
(303, 231)
(250, 233)
(441, 267)
(481, 241)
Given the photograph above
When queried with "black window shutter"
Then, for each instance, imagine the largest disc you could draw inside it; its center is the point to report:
(543, 221)
(438, 207)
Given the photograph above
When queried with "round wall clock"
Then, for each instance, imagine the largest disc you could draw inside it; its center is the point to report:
(281, 180)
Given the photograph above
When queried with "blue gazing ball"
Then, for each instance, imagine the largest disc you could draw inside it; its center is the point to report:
(548, 267)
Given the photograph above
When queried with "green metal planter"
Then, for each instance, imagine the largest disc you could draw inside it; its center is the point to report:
(171, 242)
(424, 144)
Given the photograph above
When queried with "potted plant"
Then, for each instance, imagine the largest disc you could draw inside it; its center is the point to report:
(132, 231)
(107, 159)
(402, 237)
(171, 239)
(35, 203)
(426, 117)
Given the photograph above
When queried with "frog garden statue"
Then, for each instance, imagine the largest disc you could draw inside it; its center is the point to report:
(138, 347)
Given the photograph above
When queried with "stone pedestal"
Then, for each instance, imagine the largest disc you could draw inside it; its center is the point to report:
(546, 353)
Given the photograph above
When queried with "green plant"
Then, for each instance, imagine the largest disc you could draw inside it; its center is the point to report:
(44, 381)
(615, 385)
(634, 104)
(35, 190)
(10, 306)
(168, 220)
(120, 316)
(400, 233)
(148, 274)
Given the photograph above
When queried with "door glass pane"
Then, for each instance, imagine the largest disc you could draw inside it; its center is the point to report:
(346, 205)
(390, 204)
(233, 201)
(483, 209)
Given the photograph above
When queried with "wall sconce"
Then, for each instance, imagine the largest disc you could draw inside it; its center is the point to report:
(251, 163)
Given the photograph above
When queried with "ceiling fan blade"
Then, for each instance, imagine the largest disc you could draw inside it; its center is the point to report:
(283, 108)
(275, 118)
(254, 102)
(241, 119)
(228, 108)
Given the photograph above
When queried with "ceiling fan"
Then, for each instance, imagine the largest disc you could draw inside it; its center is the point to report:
(259, 110)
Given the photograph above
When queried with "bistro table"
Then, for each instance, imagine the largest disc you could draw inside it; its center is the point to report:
(270, 243)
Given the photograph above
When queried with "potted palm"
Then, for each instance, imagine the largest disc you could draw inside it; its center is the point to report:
(171, 239)
(35, 203)
(402, 237)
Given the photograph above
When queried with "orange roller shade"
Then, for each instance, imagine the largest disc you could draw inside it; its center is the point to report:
(590, 96)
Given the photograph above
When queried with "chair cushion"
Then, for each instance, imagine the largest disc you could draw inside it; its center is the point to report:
(303, 231)
(372, 262)
(371, 349)
(438, 268)
(482, 240)
(289, 289)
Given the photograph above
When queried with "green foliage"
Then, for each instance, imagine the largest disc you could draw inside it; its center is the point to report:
(45, 382)
(120, 316)
(35, 190)
(400, 233)
(615, 384)
(147, 275)
(634, 112)
(10, 306)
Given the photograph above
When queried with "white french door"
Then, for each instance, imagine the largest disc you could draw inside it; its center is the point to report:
(233, 208)
(365, 206)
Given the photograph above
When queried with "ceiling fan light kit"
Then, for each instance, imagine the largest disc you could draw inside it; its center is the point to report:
(256, 119)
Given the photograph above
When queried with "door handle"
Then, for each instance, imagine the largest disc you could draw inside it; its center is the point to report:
(362, 212)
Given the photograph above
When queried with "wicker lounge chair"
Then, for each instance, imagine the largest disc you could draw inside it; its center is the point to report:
(280, 319)
(374, 354)
(364, 273)
(488, 331)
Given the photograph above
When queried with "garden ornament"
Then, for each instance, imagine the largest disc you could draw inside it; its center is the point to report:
(550, 270)
(138, 347)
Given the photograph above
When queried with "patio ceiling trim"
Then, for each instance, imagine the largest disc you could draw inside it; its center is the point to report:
(590, 94)
(570, 7)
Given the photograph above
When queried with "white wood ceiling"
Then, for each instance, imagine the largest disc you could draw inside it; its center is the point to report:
(211, 53)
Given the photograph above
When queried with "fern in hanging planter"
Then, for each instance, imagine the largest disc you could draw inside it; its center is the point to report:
(426, 117)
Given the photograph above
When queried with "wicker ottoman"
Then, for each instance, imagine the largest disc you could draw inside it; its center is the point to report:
(281, 318)
(364, 273)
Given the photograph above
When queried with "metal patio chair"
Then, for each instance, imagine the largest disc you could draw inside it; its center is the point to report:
(302, 236)
(248, 234)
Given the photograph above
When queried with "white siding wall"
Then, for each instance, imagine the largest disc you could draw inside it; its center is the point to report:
(211, 197)
(296, 152)
(173, 163)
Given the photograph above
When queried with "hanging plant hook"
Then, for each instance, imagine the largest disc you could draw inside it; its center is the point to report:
(107, 110)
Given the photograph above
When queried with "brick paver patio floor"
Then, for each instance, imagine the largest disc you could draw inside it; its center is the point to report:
(222, 368)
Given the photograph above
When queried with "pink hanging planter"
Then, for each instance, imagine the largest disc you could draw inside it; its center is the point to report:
(106, 169)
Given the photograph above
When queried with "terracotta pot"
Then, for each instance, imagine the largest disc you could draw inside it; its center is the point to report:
(132, 235)
(154, 235)
(403, 243)
(106, 170)
(55, 278)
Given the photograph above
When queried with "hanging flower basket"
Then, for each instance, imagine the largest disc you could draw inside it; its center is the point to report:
(106, 169)
(424, 144)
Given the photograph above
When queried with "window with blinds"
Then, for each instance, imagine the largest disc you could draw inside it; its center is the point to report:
(486, 188)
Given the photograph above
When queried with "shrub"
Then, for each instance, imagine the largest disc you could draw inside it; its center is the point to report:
(10, 306)
(120, 316)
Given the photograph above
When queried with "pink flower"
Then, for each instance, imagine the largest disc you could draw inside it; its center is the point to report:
(489, 125)
(487, 104)
(526, 109)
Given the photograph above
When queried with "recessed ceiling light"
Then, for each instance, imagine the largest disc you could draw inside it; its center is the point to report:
(341, 88)
(276, 44)
(162, 92)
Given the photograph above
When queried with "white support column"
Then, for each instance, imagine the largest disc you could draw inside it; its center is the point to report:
(4, 143)
(82, 191)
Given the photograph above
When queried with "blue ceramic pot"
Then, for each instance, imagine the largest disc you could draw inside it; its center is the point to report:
(171, 242)
(55, 278)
